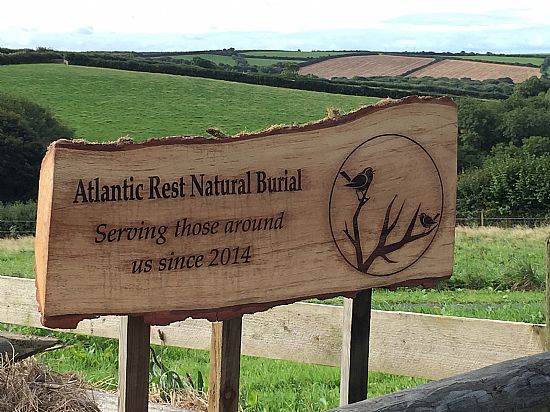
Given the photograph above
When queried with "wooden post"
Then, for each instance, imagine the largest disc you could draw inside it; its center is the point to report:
(548, 294)
(354, 369)
(225, 364)
(133, 365)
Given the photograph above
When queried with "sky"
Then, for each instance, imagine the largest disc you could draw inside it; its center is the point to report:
(498, 26)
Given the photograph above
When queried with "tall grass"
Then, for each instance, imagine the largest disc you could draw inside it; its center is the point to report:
(498, 258)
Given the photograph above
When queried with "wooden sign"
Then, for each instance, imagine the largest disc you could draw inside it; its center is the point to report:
(214, 228)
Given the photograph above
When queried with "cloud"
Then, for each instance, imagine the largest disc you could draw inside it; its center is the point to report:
(481, 39)
(85, 30)
(456, 19)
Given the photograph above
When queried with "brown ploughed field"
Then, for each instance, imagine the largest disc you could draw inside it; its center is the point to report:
(375, 65)
(477, 70)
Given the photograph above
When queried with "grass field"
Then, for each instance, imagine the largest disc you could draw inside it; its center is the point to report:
(222, 59)
(269, 62)
(494, 260)
(104, 104)
(216, 58)
(282, 53)
(503, 59)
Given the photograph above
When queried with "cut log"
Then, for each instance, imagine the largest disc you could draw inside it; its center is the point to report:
(17, 347)
(517, 385)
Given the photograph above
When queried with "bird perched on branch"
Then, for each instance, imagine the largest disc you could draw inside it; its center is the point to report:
(427, 221)
(360, 182)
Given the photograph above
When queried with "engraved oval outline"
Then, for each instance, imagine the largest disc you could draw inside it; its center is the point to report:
(332, 191)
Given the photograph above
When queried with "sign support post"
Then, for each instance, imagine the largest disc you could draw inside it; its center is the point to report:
(354, 369)
(225, 365)
(133, 365)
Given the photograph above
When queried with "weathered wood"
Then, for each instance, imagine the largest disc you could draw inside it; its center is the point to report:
(14, 347)
(225, 366)
(427, 346)
(133, 365)
(516, 385)
(548, 294)
(176, 227)
(354, 370)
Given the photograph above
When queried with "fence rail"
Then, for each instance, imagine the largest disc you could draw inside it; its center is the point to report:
(402, 343)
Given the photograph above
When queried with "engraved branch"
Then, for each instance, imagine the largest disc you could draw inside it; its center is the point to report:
(361, 184)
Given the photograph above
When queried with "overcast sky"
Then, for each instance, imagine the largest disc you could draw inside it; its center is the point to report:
(170, 25)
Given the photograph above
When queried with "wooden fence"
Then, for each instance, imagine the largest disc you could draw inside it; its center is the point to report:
(428, 346)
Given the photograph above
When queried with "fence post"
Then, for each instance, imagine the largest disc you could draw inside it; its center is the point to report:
(354, 366)
(548, 294)
(133, 365)
(482, 219)
(225, 365)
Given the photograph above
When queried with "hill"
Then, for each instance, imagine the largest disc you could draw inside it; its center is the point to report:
(475, 70)
(104, 104)
(365, 66)
(402, 65)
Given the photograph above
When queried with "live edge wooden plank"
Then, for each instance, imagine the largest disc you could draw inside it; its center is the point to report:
(427, 346)
(219, 227)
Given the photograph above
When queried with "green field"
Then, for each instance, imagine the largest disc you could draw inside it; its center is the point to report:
(537, 61)
(269, 62)
(221, 59)
(104, 104)
(216, 58)
(300, 54)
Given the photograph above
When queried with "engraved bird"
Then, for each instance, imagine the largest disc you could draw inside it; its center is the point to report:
(427, 221)
(360, 182)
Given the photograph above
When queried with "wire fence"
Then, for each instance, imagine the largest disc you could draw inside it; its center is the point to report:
(503, 221)
(18, 228)
(481, 219)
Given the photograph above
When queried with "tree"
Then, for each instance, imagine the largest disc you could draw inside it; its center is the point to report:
(478, 125)
(529, 119)
(532, 87)
(26, 129)
(536, 145)
(511, 182)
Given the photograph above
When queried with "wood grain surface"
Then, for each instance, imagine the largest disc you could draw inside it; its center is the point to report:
(213, 228)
